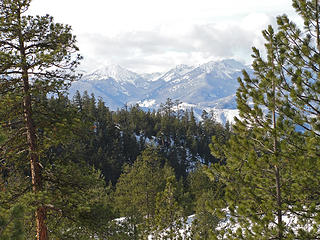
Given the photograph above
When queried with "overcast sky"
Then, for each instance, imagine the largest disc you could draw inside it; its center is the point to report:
(155, 35)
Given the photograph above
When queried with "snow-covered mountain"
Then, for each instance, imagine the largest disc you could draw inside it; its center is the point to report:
(210, 86)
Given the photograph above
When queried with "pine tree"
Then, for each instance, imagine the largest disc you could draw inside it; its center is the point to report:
(137, 189)
(203, 191)
(168, 214)
(272, 171)
(36, 57)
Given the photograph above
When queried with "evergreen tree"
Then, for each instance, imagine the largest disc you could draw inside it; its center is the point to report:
(167, 108)
(78, 203)
(168, 214)
(208, 127)
(137, 189)
(38, 57)
(203, 191)
(271, 171)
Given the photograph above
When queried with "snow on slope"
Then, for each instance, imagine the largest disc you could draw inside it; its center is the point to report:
(176, 72)
(210, 86)
(226, 225)
(116, 72)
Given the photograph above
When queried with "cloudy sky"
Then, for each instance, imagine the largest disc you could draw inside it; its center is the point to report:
(155, 35)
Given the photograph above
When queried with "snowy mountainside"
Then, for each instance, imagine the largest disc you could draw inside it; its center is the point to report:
(114, 71)
(210, 86)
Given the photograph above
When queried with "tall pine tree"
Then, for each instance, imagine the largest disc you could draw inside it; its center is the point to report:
(36, 57)
(271, 174)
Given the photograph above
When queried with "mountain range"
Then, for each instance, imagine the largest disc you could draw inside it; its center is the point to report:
(210, 87)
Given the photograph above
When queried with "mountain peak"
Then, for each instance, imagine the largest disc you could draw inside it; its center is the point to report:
(116, 72)
(176, 72)
(225, 65)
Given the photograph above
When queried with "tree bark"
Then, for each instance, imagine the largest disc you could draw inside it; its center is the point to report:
(40, 214)
(34, 159)
(279, 203)
(276, 167)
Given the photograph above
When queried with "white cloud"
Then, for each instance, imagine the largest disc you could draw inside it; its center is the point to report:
(150, 49)
(148, 35)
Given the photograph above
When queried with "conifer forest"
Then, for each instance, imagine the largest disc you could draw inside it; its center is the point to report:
(72, 168)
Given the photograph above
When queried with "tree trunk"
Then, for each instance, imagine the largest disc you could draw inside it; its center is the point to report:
(276, 167)
(40, 214)
(34, 160)
(279, 203)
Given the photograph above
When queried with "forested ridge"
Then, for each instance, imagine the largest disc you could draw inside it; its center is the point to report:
(114, 138)
(117, 157)
(74, 169)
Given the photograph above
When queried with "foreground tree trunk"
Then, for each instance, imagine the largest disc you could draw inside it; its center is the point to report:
(276, 153)
(40, 214)
(37, 57)
(34, 161)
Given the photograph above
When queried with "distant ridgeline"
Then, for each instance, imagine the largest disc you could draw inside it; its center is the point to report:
(211, 86)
